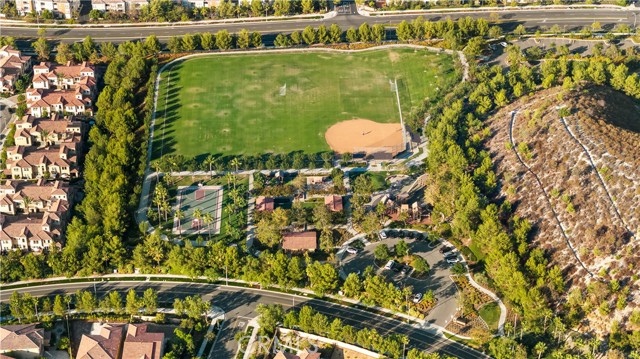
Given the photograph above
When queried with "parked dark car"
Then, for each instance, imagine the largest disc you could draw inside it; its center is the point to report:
(445, 249)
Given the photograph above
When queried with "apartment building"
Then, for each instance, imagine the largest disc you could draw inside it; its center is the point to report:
(60, 8)
(67, 88)
(12, 66)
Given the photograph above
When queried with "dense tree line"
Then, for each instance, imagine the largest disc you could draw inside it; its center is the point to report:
(308, 320)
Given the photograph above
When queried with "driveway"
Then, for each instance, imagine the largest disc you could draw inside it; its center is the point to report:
(438, 279)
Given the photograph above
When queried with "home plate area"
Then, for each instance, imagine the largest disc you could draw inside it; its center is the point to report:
(201, 210)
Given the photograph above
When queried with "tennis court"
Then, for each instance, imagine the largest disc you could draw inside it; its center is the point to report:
(208, 199)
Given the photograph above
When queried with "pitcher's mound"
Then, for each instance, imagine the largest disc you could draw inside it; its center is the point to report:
(365, 136)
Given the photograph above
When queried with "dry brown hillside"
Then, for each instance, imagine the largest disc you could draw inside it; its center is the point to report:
(572, 167)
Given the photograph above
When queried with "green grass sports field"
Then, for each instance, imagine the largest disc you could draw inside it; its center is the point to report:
(284, 102)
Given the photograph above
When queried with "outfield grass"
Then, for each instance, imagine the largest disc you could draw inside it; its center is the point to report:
(232, 104)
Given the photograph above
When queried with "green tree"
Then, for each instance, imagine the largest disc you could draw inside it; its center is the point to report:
(382, 252)
(352, 35)
(335, 34)
(322, 35)
(257, 8)
(404, 32)
(352, 286)
(59, 307)
(256, 39)
(175, 44)
(270, 316)
(364, 32)
(495, 32)
(206, 41)
(42, 48)
(282, 40)
(420, 264)
(150, 301)
(520, 30)
(63, 53)
(296, 38)
(281, 7)
(378, 33)
(307, 6)
(243, 39)
(133, 303)
(401, 248)
(323, 278)
(152, 44)
(223, 40)
(189, 42)
(309, 35)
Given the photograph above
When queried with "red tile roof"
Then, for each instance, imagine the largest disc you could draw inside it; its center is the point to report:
(333, 202)
(297, 241)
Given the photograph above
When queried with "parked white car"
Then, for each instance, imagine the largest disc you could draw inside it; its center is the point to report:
(390, 264)
(417, 298)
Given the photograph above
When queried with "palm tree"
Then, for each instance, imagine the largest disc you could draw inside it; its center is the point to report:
(166, 208)
(540, 348)
(27, 201)
(235, 162)
(179, 215)
(208, 220)
(231, 179)
(197, 214)
(44, 137)
(210, 161)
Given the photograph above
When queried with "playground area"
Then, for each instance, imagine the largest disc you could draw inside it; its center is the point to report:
(198, 210)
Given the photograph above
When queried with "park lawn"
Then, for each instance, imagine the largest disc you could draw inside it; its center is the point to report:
(236, 104)
(378, 179)
(490, 313)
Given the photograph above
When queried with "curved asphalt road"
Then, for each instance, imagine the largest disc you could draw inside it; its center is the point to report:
(573, 19)
(242, 302)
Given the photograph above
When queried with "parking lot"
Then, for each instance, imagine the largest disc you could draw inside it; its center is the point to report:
(437, 279)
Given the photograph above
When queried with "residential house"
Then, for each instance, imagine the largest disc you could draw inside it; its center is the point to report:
(139, 343)
(300, 241)
(265, 204)
(24, 341)
(103, 342)
(31, 163)
(60, 8)
(40, 196)
(12, 66)
(42, 103)
(333, 202)
(62, 89)
(55, 130)
(34, 231)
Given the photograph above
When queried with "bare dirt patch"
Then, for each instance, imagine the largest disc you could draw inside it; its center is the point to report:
(195, 90)
(360, 135)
